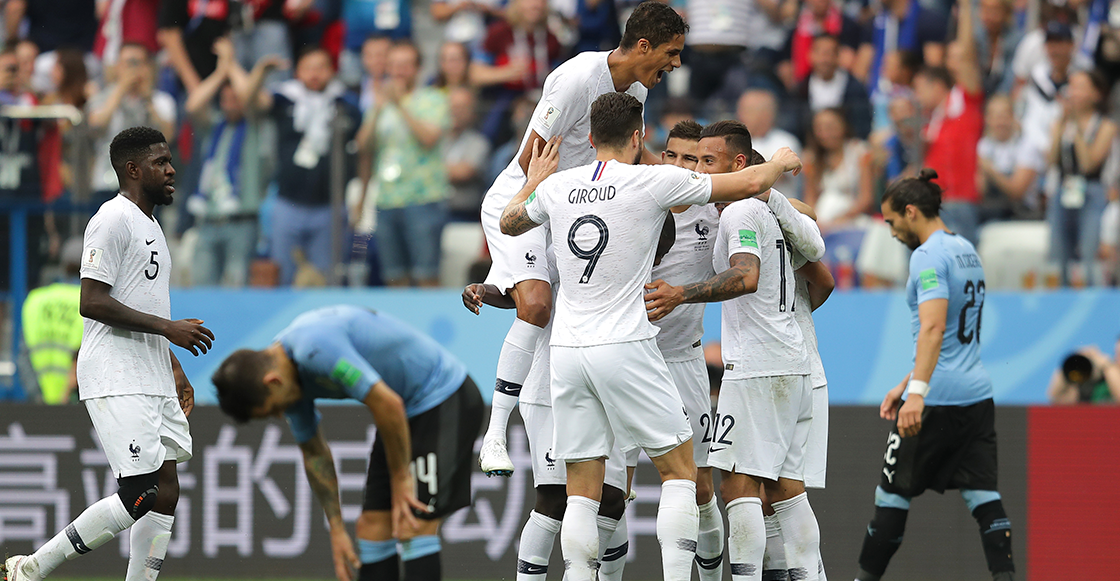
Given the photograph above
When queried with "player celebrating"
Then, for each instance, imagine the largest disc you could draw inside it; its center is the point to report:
(607, 375)
(650, 47)
(757, 438)
(426, 408)
(137, 395)
(945, 433)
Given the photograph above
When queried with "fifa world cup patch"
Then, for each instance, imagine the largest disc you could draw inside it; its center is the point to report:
(928, 278)
(548, 115)
(93, 258)
(748, 239)
(346, 374)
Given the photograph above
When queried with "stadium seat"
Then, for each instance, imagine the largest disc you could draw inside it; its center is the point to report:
(1015, 254)
(461, 245)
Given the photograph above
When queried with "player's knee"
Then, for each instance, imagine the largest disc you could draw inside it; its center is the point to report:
(168, 495)
(976, 498)
(533, 310)
(890, 500)
(138, 493)
(613, 503)
(374, 525)
(704, 488)
(552, 499)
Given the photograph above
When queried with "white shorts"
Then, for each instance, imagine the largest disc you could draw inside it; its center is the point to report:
(691, 379)
(140, 432)
(762, 425)
(623, 390)
(816, 446)
(547, 469)
(515, 258)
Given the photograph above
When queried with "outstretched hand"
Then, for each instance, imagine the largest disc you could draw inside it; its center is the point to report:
(190, 335)
(788, 160)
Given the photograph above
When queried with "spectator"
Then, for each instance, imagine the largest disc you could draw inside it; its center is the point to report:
(52, 330)
(997, 37)
(902, 25)
(716, 42)
(260, 30)
(1008, 167)
(375, 61)
(830, 86)
(405, 131)
(52, 24)
(676, 109)
(1080, 144)
(303, 109)
(901, 146)
(521, 112)
(758, 110)
(454, 66)
(465, 20)
(1041, 97)
(953, 101)
(465, 152)
(838, 176)
(71, 86)
(26, 53)
(1086, 376)
(365, 18)
(597, 25)
(897, 79)
(131, 101)
(1032, 48)
(187, 30)
(125, 21)
(231, 182)
(820, 18)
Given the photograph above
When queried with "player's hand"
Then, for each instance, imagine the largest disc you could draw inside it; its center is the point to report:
(889, 408)
(185, 390)
(472, 297)
(405, 523)
(190, 335)
(346, 561)
(788, 160)
(662, 300)
(545, 159)
(910, 416)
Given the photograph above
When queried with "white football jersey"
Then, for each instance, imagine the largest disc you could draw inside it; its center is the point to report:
(759, 336)
(564, 109)
(126, 250)
(804, 318)
(605, 219)
(689, 260)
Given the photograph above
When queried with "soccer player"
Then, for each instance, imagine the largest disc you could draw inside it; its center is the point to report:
(134, 389)
(607, 375)
(427, 410)
(650, 47)
(765, 407)
(944, 436)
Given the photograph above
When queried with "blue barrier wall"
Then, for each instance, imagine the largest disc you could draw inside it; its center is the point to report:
(864, 336)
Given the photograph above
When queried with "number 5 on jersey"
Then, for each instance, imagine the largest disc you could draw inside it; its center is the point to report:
(152, 262)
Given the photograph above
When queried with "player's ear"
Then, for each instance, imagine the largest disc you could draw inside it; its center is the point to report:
(643, 46)
(740, 162)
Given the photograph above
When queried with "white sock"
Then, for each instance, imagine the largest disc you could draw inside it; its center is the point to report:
(802, 536)
(96, 526)
(537, 540)
(774, 561)
(579, 539)
(614, 557)
(709, 543)
(678, 524)
(606, 526)
(148, 546)
(514, 362)
(746, 541)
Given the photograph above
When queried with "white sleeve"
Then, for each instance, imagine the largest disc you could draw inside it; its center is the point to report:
(672, 186)
(741, 230)
(106, 240)
(560, 107)
(800, 230)
(535, 206)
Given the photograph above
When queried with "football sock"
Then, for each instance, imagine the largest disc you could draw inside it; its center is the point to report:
(678, 525)
(379, 560)
(774, 560)
(421, 558)
(514, 361)
(96, 526)
(746, 541)
(579, 539)
(801, 536)
(614, 557)
(709, 542)
(884, 536)
(537, 540)
(606, 526)
(995, 535)
(147, 547)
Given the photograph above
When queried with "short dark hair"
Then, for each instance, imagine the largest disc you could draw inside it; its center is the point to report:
(756, 158)
(239, 381)
(310, 50)
(827, 36)
(653, 21)
(734, 133)
(687, 130)
(132, 143)
(614, 118)
(919, 192)
(407, 43)
(939, 74)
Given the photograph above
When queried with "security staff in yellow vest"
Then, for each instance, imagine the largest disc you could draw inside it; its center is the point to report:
(52, 330)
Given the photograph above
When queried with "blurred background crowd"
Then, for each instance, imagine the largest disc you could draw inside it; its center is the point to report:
(350, 142)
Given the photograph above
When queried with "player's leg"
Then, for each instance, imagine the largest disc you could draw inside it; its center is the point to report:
(620, 474)
(420, 553)
(709, 540)
(678, 519)
(612, 507)
(986, 507)
(800, 532)
(977, 478)
(774, 566)
(377, 549)
(884, 534)
(746, 541)
(579, 538)
(538, 536)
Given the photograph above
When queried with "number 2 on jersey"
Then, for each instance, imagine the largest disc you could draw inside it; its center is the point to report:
(974, 291)
(590, 255)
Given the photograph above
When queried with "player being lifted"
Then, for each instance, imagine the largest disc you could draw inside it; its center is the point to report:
(650, 48)
(607, 375)
(137, 395)
(757, 438)
(944, 436)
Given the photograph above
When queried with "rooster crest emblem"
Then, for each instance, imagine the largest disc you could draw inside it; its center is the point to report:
(135, 451)
(702, 231)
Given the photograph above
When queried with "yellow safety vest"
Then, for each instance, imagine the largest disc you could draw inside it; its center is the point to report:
(52, 331)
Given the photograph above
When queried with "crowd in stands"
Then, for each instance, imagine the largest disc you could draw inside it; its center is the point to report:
(406, 111)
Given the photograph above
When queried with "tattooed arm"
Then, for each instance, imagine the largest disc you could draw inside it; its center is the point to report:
(319, 466)
(515, 220)
(738, 280)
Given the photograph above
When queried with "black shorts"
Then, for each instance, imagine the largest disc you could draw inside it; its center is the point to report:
(955, 449)
(442, 456)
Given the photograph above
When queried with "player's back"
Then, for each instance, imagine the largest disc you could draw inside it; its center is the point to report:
(947, 266)
(760, 336)
(688, 261)
(606, 218)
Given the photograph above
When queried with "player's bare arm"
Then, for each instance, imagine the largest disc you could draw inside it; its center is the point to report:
(475, 295)
(888, 410)
(96, 304)
(182, 386)
(756, 179)
(931, 315)
(738, 280)
(318, 464)
(515, 219)
(820, 283)
(392, 425)
(800, 231)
